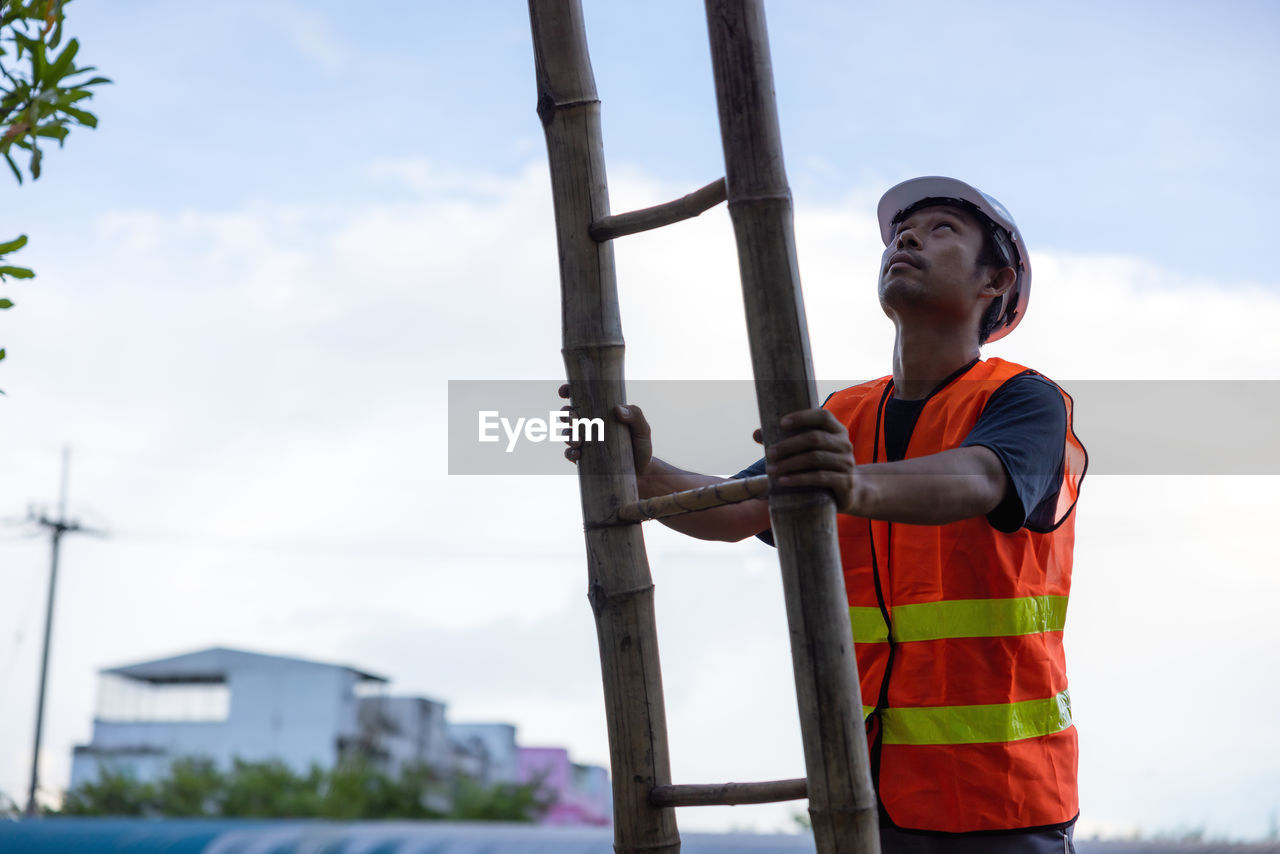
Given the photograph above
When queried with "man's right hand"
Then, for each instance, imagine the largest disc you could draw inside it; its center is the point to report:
(655, 477)
(573, 452)
(641, 436)
(629, 414)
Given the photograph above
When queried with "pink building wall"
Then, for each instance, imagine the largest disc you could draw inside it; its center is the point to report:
(582, 792)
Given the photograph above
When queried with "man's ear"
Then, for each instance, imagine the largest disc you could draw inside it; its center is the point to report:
(1000, 282)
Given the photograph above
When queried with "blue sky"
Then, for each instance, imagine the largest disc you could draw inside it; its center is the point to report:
(296, 223)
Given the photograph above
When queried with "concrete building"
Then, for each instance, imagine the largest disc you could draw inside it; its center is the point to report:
(225, 704)
(403, 730)
(222, 704)
(486, 752)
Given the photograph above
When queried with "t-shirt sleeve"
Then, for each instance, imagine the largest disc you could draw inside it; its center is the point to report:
(754, 470)
(1025, 425)
(757, 468)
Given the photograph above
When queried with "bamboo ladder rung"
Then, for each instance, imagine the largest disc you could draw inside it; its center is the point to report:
(685, 207)
(702, 498)
(729, 794)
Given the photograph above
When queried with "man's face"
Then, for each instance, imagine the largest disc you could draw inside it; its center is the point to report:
(932, 263)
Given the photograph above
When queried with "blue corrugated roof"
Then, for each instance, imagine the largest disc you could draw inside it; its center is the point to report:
(93, 835)
(194, 836)
(186, 836)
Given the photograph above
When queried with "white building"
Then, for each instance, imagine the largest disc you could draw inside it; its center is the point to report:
(224, 704)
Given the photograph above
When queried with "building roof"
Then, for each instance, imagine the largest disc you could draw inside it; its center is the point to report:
(213, 665)
(195, 836)
(92, 835)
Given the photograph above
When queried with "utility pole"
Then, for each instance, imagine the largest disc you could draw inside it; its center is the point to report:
(57, 527)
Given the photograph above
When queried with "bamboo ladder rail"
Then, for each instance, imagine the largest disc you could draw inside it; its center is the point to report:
(842, 802)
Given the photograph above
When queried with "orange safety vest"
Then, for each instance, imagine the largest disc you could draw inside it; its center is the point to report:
(958, 634)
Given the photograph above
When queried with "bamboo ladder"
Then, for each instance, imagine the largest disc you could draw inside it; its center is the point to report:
(842, 803)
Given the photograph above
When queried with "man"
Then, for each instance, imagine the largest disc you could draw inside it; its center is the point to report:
(955, 479)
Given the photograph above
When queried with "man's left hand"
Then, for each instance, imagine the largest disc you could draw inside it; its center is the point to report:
(818, 453)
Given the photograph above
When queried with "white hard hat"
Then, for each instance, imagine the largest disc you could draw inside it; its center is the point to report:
(908, 193)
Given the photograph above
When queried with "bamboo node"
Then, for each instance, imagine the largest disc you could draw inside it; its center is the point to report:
(600, 598)
(620, 523)
(759, 197)
(596, 347)
(546, 108)
(549, 106)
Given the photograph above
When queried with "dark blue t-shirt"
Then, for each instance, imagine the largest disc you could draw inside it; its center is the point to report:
(1024, 424)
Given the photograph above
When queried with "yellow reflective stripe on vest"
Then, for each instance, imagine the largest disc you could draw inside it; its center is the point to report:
(868, 624)
(976, 618)
(976, 724)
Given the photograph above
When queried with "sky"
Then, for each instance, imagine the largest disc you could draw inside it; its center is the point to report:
(296, 225)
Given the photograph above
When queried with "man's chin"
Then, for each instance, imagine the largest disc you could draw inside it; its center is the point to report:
(900, 292)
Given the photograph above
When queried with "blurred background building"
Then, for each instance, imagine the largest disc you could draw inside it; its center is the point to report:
(226, 704)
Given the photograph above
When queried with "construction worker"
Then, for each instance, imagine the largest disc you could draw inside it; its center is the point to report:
(955, 479)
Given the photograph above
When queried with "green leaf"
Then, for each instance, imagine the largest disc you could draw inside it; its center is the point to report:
(38, 61)
(70, 96)
(60, 66)
(17, 173)
(24, 43)
(87, 119)
(55, 131)
(17, 272)
(13, 245)
(6, 303)
(93, 82)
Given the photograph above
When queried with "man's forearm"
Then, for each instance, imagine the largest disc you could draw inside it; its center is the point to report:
(731, 522)
(933, 490)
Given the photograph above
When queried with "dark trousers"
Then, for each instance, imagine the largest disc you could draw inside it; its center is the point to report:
(1033, 842)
